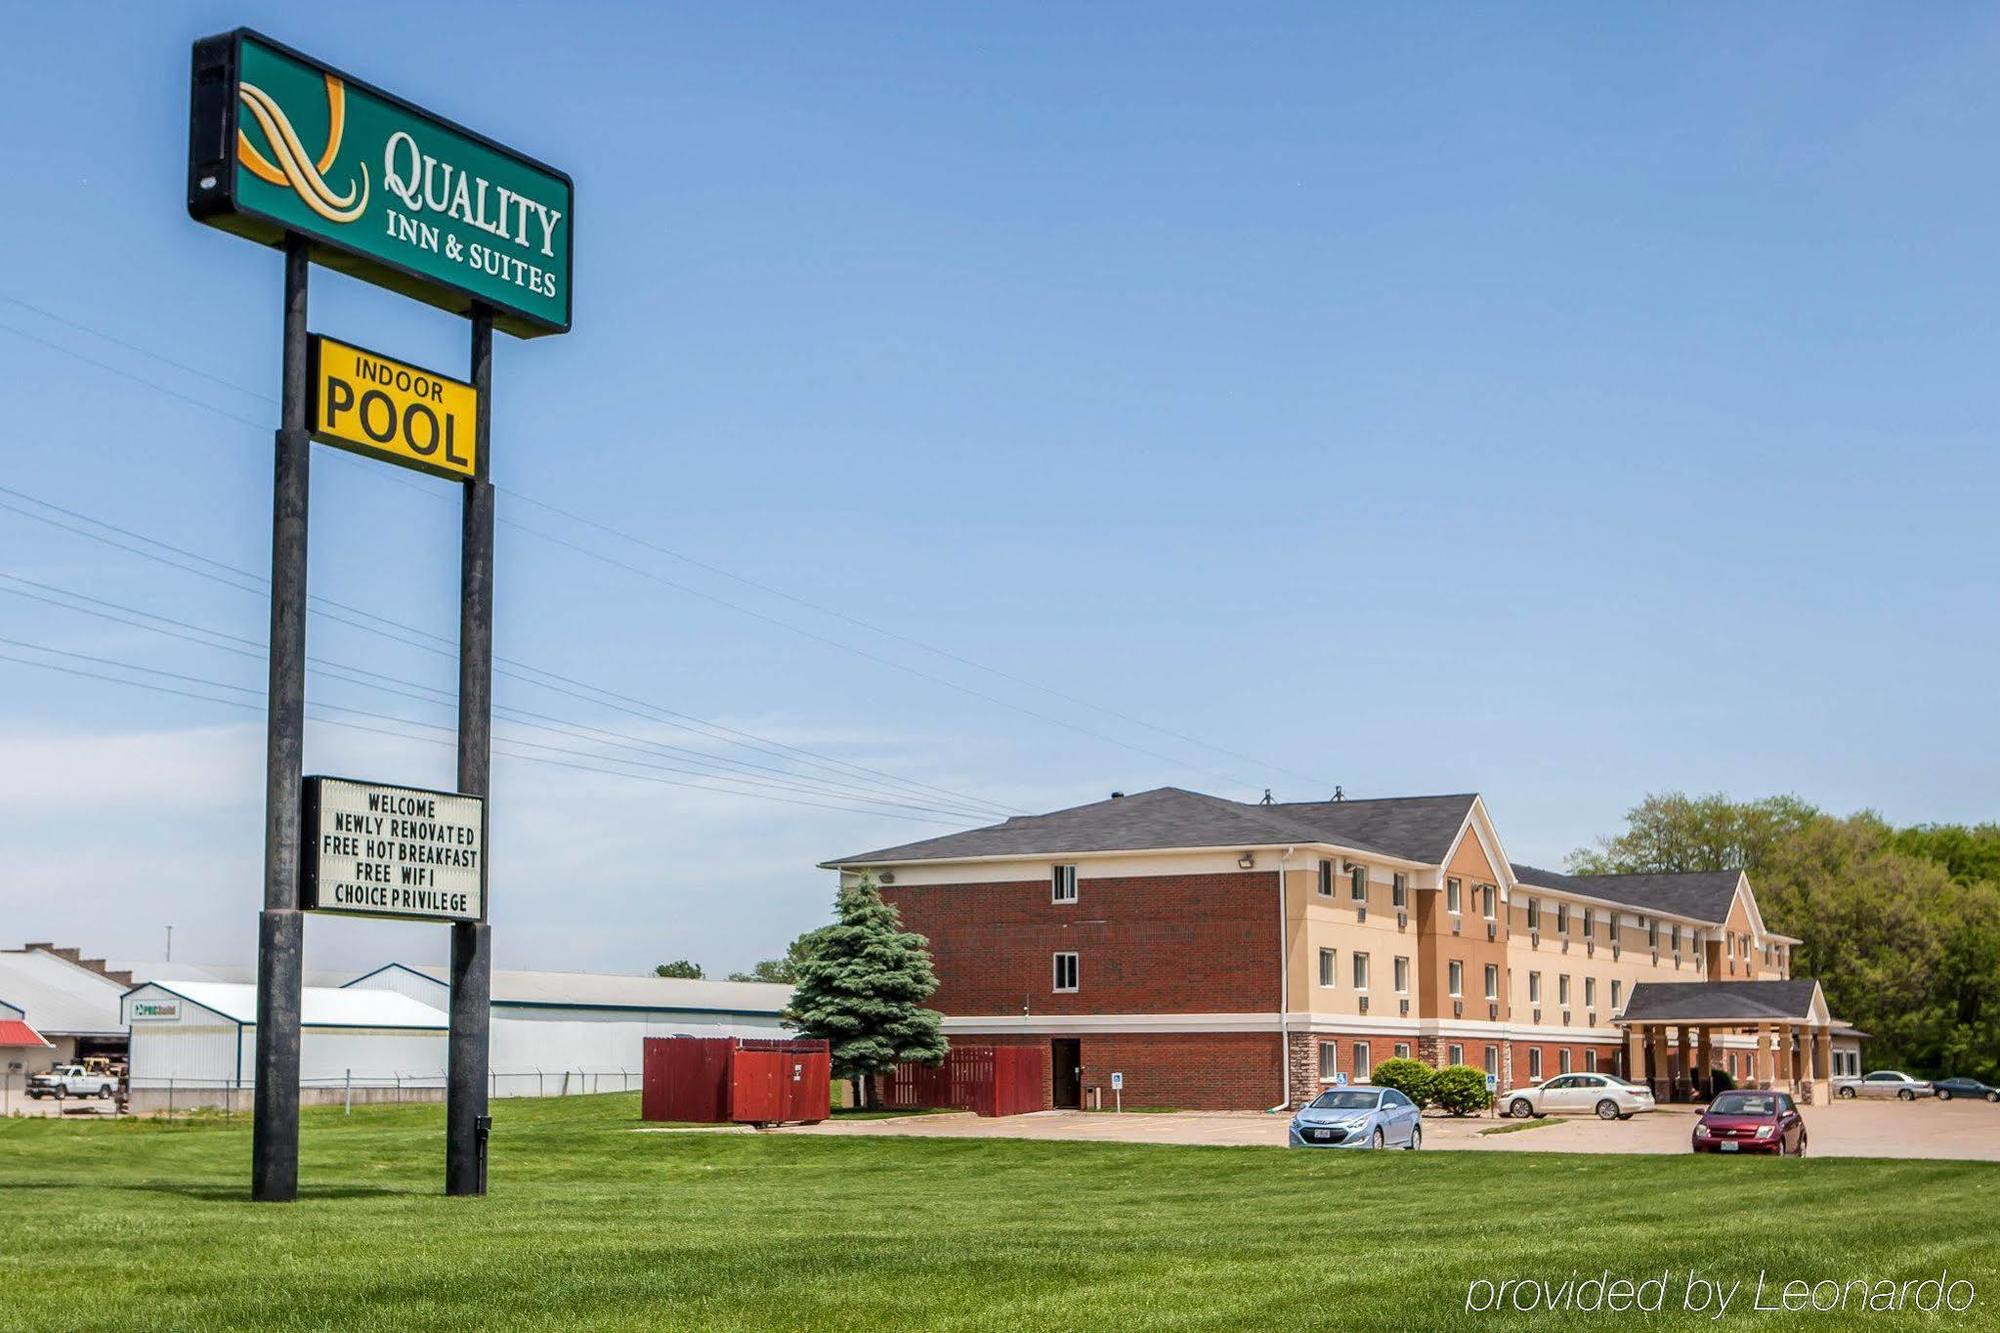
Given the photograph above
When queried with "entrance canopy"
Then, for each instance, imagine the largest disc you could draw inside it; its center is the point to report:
(1666, 1021)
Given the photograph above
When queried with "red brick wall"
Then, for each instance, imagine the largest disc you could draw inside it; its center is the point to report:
(1196, 1071)
(1146, 945)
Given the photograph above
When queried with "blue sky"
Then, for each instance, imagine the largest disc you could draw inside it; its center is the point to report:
(1559, 404)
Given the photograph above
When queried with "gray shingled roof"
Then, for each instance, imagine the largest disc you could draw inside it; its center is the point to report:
(1701, 895)
(1418, 828)
(1657, 1001)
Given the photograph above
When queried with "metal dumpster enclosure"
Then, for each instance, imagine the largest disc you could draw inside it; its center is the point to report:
(713, 1080)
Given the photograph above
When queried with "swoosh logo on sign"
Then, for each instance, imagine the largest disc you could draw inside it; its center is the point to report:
(294, 166)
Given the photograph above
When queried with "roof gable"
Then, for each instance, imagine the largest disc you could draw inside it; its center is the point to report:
(1797, 1000)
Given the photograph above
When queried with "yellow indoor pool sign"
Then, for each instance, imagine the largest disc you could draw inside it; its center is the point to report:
(400, 413)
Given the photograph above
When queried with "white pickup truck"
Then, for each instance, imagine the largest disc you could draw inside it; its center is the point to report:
(71, 1081)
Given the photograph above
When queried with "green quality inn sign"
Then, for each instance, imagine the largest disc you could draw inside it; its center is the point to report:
(280, 143)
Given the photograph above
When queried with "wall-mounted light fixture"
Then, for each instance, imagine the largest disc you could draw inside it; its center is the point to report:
(1247, 860)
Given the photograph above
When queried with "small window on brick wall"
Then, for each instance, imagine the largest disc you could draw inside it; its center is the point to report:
(1535, 1063)
(1493, 1060)
(1065, 972)
(1454, 1054)
(1362, 1063)
(1062, 885)
(1562, 1059)
(1329, 1061)
(1402, 1049)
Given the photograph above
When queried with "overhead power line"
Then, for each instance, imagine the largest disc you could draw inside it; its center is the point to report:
(717, 570)
(257, 694)
(231, 576)
(254, 649)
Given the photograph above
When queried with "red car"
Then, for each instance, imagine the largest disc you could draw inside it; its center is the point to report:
(1746, 1120)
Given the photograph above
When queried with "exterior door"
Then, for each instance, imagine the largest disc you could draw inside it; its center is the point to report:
(1066, 1074)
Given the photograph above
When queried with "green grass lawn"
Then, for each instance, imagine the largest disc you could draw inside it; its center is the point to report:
(141, 1225)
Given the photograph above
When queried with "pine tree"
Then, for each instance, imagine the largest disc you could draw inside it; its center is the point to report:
(863, 986)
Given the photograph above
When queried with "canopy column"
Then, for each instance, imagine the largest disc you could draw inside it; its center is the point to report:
(1705, 1062)
(1765, 1073)
(1662, 1076)
(1684, 1084)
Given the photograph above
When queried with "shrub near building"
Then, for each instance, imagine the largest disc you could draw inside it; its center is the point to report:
(1461, 1090)
(1413, 1078)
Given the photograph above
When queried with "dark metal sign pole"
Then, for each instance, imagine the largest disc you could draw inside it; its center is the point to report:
(466, 1121)
(274, 1169)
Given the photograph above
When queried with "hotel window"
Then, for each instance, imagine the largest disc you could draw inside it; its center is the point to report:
(1329, 1061)
(1454, 1054)
(1674, 935)
(1360, 970)
(1535, 1064)
(1402, 976)
(1362, 1064)
(1065, 971)
(1590, 992)
(1562, 918)
(1534, 915)
(1488, 896)
(1589, 921)
(1562, 1059)
(1451, 892)
(1326, 977)
(1326, 879)
(1562, 990)
(1590, 1061)
(1652, 933)
(1534, 988)
(1062, 885)
(1493, 981)
(1457, 978)
(1399, 890)
(1493, 1060)
(1357, 884)
(1402, 1049)
(1616, 985)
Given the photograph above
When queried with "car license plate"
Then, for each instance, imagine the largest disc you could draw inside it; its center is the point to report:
(1322, 1135)
(1730, 1147)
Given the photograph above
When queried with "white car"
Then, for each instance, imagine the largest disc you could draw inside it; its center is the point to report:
(1601, 1095)
(1884, 1083)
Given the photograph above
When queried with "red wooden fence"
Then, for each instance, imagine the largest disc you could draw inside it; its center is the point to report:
(711, 1080)
(987, 1080)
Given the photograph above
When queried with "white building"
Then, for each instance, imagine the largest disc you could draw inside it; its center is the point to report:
(72, 1004)
(195, 1043)
(566, 1032)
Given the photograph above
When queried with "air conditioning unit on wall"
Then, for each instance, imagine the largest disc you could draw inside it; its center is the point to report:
(1364, 1004)
(1493, 1011)
(1361, 914)
(1404, 1006)
(1402, 921)
(1492, 931)
(1458, 1009)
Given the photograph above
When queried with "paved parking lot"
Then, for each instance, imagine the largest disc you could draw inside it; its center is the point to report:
(1959, 1129)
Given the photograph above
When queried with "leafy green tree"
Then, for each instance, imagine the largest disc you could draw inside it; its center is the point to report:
(784, 971)
(861, 987)
(1672, 831)
(680, 967)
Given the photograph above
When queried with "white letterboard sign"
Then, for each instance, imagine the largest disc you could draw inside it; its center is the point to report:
(375, 850)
